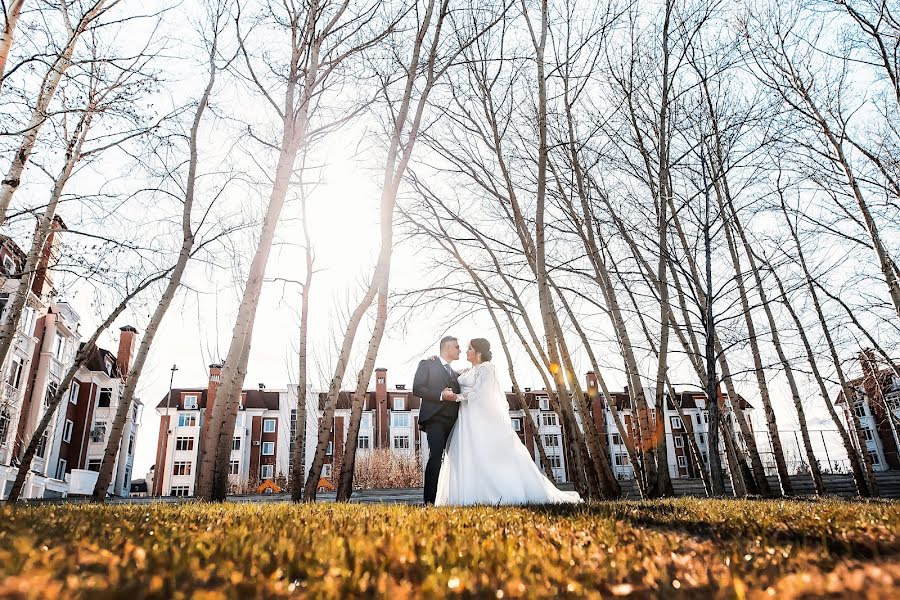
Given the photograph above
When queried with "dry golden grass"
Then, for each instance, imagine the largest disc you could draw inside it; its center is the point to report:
(672, 548)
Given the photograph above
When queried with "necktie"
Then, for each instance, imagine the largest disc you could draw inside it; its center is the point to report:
(448, 369)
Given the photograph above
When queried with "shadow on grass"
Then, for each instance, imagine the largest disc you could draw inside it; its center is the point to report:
(674, 516)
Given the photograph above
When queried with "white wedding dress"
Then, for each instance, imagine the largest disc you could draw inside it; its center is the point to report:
(485, 462)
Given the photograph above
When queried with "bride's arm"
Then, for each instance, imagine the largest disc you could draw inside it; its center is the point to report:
(482, 379)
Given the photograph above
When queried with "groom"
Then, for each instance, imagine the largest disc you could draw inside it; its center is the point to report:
(439, 410)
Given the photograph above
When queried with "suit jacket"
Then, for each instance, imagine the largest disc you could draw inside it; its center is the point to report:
(430, 380)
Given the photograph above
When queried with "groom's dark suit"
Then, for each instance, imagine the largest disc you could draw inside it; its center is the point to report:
(436, 417)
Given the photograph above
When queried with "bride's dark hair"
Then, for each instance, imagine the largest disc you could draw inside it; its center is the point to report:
(483, 347)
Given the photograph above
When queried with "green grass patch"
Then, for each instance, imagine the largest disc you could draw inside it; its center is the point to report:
(671, 548)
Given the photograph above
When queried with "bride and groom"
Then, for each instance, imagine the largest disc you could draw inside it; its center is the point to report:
(475, 456)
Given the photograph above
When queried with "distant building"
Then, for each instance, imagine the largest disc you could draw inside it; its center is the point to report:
(877, 395)
(260, 441)
(43, 350)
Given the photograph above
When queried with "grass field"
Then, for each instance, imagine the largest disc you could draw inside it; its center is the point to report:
(672, 548)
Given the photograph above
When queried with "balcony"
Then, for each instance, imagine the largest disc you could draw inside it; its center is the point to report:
(8, 394)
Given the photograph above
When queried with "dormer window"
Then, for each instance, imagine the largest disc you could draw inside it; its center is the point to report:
(545, 403)
(9, 265)
(399, 403)
(190, 402)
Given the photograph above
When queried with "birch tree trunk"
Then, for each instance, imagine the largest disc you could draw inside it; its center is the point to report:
(785, 363)
(298, 457)
(853, 457)
(849, 394)
(7, 34)
(407, 122)
(187, 243)
(772, 426)
(45, 222)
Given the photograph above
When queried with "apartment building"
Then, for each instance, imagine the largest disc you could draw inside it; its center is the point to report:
(876, 402)
(43, 350)
(260, 448)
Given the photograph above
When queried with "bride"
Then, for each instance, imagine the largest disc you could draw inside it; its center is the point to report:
(485, 462)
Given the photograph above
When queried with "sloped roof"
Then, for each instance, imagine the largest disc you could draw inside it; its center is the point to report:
(253, 398)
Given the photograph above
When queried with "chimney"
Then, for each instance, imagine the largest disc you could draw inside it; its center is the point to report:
(381, 408)
(42, 285)
(215, 377)
(262, 386)
(380, 385)
(591, 380)
(127, 339)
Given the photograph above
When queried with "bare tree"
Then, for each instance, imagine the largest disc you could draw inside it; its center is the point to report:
(323, 35)
(218, 18)
(75, 25)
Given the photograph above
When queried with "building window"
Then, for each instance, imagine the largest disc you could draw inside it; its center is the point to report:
(42, 445)
(326, 470)
(873, 454)
(182, 467)
(679, 441)
(859, 407)
(98, 434)
(329, 449)
(15, 372)
(682, 462)
(868, 435)
(236, 443)
(268, 425)
(698, 418)
(234, 467)
(616, 439)
(184, 443)
(105, 398)
(401, 442)
(516, 424)
(268, 448)
(550, 420)
(94, 464)
(544, 403)
(399, 419)
(551, 441)
(705, 417)
(190, 402)
(73, 392)
(67, 431)
(676, 423)
(366, 421)
(131, 444)
(652, 417)
(704, 456)
(267, 471)
(4, 425)
(362, 442)
(59, 346)
(181, 491)
(61, 469)
(621, 459)
(555, 461)
(126, 481)
(186, 420)
(701, 437)
(51, 392)
(893, 402)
